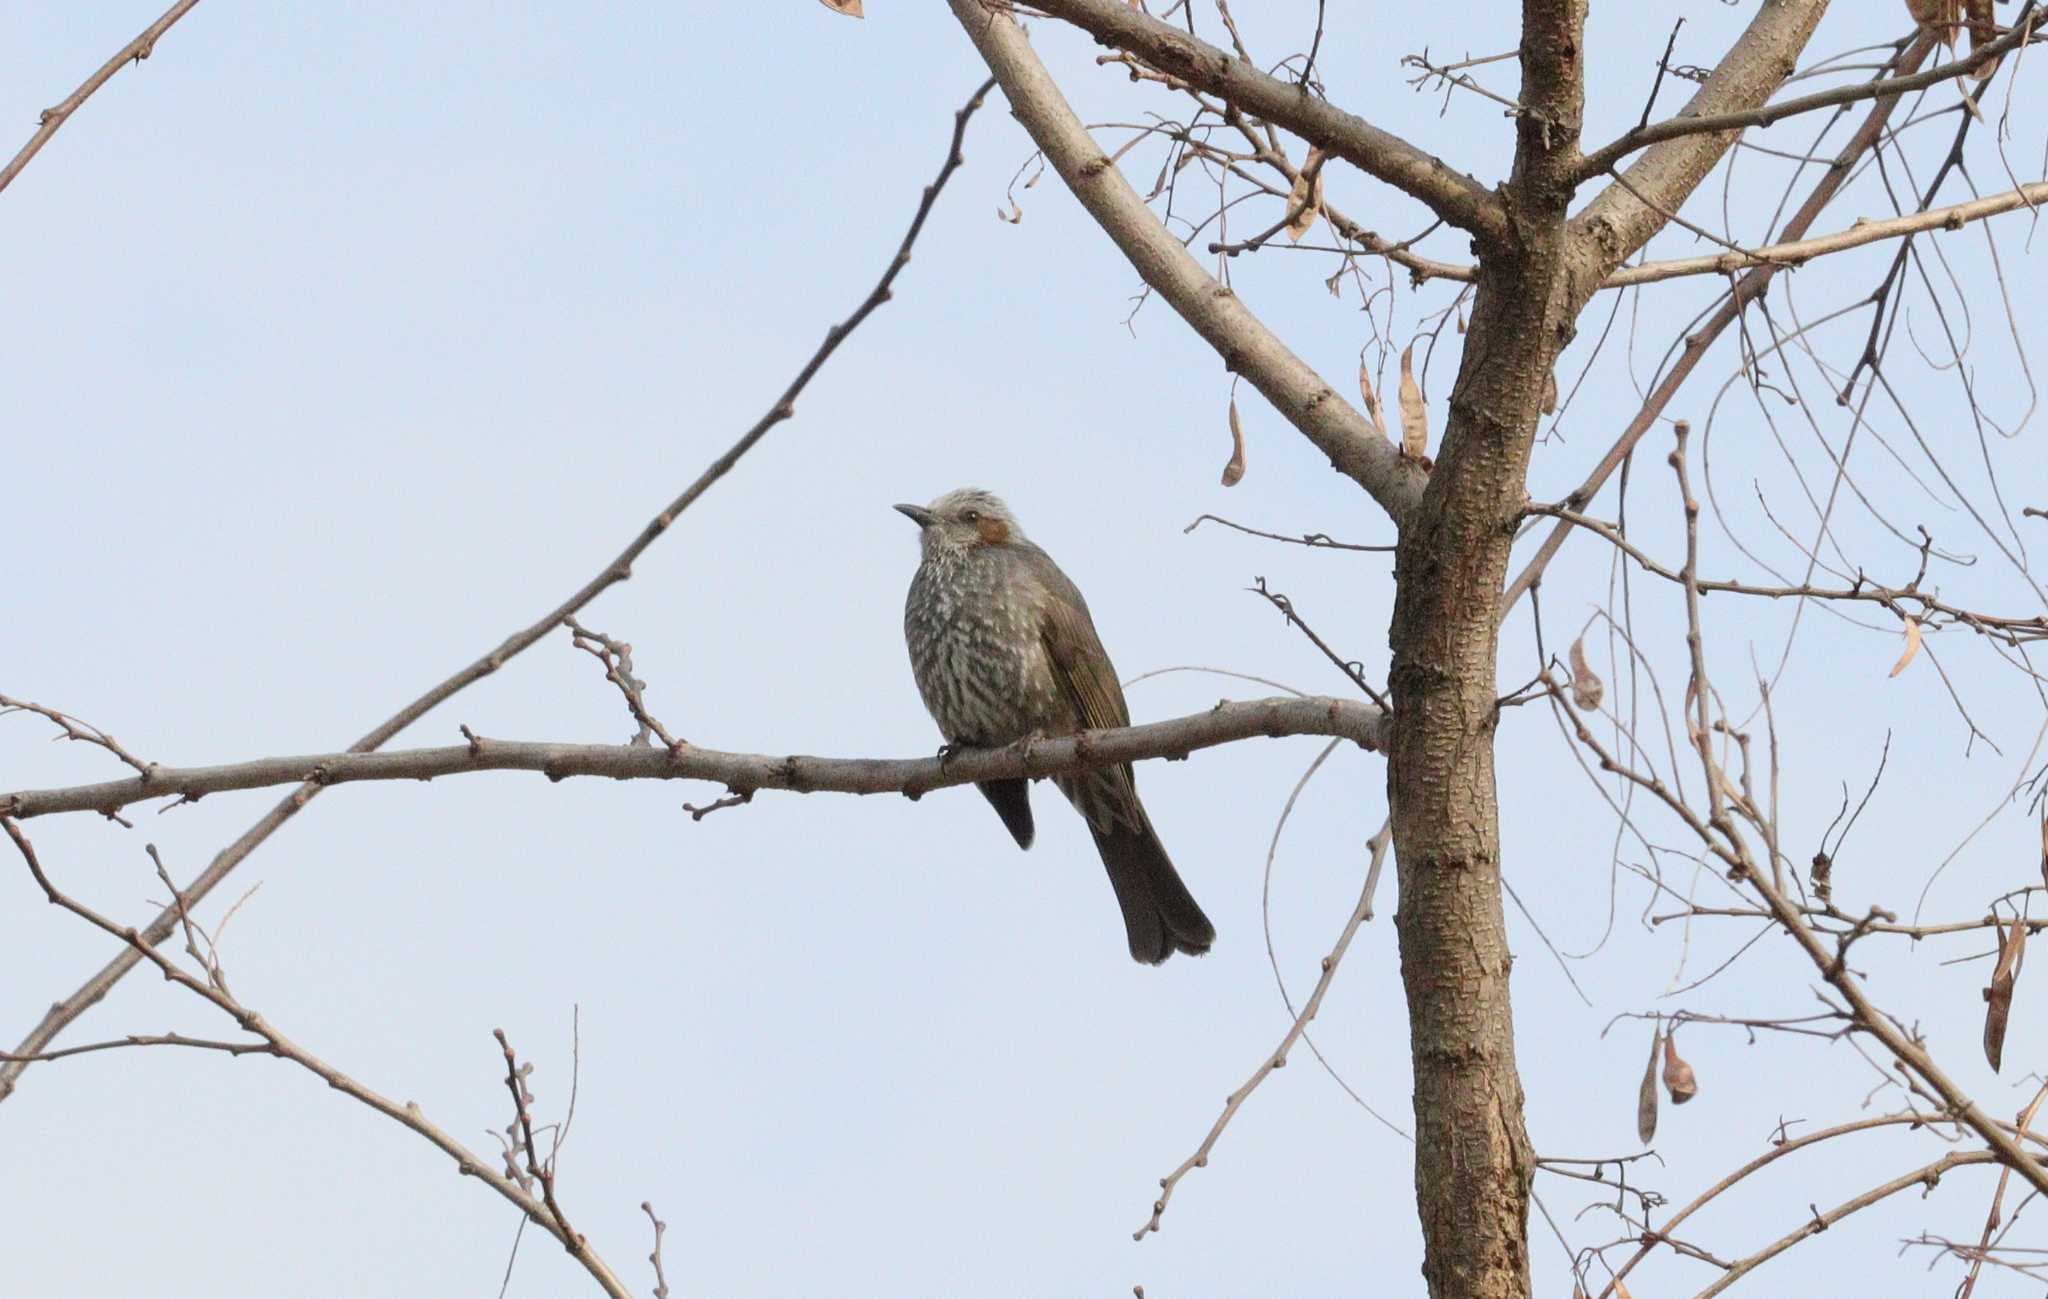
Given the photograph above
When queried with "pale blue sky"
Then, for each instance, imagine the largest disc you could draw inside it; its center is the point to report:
(341, 341)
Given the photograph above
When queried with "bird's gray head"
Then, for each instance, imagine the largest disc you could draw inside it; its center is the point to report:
(963, 520)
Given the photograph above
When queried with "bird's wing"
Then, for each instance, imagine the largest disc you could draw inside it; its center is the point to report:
(1108, 796)
(1079, 663)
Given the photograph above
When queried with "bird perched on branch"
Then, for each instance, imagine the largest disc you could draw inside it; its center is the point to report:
(1003, 649)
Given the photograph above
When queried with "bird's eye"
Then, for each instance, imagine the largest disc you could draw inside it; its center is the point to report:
(972, 516)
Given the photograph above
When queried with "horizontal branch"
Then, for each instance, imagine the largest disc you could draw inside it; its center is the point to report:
(1907, 601)
(1459, 199)
(743, 773)
(1799, 251)
(1704, 123)
(618, 569)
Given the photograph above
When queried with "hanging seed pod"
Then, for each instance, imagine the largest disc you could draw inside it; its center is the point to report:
(1587, 687)
(1233, 471)
(1646, 1095)
(2012, 949)
(1414, 414)
(1678, 1076)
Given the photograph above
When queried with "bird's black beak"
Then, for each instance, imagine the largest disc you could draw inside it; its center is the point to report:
(917, 514)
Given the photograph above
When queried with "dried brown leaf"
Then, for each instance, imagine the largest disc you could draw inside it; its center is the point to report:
(2044, 847)
(1550, 393)
(1587, 687)
(1233, 472)
(851, 8)
(2012, 948)
(1414, 415)
(1646, 1095)
(1014, 216)
(1912, 646)
(1304, 202)
(1620, 1290)
(1678, 1075)
(1372, 399)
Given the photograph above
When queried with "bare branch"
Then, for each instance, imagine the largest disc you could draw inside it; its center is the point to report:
(1691, 123)
(1457, 198)
(618, 570)
(1746, 290)
(82, 731)
(1926, 1177)
(1246, 345)
(406, 1115)
(743, 773)
(1313, 540)
(1278, 1059)
(133, 52)
(1797, 252)
(1616, 223)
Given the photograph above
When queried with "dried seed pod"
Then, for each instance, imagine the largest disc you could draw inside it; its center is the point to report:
(2012, 949)
(851, 8)
(1372, 399)
(1305, 199)
(1678, 1075)
(1414, 414)
(1234, 470)
(1587, 687)
(1912, 646)
(1646, 1095)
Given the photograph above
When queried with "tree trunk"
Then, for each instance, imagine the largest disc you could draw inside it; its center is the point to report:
(1473, 1160)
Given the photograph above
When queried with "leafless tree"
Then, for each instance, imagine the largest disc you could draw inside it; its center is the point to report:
(1872, 404)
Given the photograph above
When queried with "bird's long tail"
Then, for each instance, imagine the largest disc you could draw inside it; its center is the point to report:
(1160, 916)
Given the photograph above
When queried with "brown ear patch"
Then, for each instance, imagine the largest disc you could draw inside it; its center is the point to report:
(994, 532)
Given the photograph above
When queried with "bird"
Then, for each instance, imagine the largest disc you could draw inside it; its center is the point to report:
(1003, 649)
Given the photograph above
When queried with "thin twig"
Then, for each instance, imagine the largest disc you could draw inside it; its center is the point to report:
(407, 1115)
(618, 570)
(134, 51)
(1314, 540)
(1278, 1059)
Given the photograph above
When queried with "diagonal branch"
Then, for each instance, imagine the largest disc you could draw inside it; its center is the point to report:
(1797, 252)
(1617, 223)
(406, 1114)
(1691, 123)
(743, 773)
(1745, 290)
(1926, 1177)
(1244, 342)
(52, 119)
(1457, 198)
(618, 570)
